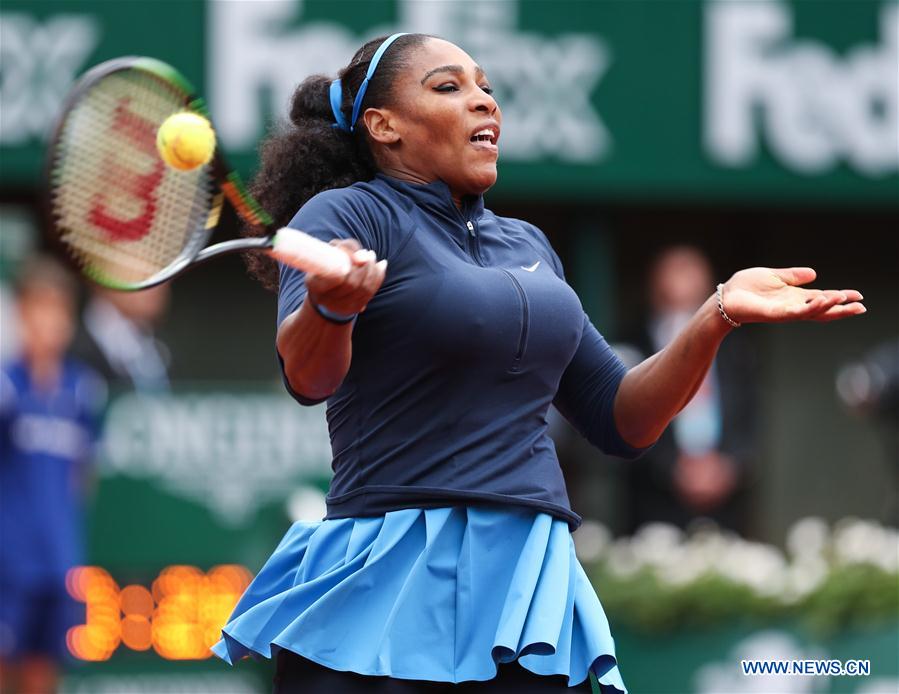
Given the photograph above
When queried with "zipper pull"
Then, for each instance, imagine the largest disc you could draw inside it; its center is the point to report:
(470, 227)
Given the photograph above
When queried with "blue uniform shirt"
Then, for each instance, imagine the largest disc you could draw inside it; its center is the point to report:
(46, 437)
(457, 358)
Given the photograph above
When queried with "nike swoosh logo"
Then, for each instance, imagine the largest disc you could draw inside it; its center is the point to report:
(531, 268)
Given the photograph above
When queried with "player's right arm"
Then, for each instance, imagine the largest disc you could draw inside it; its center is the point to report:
(316, 351)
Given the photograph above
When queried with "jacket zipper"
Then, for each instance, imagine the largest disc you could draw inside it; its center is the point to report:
(523, 333)
(471, 243)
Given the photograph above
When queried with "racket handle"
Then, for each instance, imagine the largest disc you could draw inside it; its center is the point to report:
(307, 253)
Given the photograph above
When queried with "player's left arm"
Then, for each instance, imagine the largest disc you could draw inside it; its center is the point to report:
(654, 391)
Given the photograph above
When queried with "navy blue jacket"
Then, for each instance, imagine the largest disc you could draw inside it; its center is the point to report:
(457, 358)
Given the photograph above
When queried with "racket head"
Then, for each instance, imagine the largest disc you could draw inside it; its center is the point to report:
(125, 218)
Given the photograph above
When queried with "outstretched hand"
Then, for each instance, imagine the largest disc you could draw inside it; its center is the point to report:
(776, 295)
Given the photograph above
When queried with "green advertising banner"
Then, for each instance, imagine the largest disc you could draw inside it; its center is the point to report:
(723, 99)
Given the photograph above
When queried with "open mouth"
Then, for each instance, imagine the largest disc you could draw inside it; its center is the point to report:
(486, 136)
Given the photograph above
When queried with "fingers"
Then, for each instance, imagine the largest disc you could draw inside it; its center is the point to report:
(829, 304)
(795, 276)
(350, 246)
(362, 283)
(820, 304)
(363, 257)
(377, 272)
(844, 295)
(359, 280)
(841, 311)
(824, 302)
(803, 310)
(319, 284)
(352, 293)
(833, 296)
(369, 281)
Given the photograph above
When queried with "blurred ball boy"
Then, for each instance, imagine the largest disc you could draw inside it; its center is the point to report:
(50, 407)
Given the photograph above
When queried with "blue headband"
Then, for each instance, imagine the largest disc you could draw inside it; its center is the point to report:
(336, 93)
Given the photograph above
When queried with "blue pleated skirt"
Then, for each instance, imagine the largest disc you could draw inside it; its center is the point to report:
(428, 594)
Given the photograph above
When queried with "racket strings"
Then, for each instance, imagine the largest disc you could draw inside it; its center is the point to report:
(121, 212)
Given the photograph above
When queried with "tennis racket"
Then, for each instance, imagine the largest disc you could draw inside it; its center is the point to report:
(126, 219)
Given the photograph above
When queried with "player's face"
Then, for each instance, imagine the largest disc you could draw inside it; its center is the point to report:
(47, 322)
(447, 122)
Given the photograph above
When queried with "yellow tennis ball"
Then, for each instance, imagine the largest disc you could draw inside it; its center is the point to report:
(185, 141)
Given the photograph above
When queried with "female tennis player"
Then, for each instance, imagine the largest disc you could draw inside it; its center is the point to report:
(446, 560)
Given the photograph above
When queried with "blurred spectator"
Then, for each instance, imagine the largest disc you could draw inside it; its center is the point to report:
(870, 387)
(9, 329)
(50, 407)
(700, 467)
(118, 338)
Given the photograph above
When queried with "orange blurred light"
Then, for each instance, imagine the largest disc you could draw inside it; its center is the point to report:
(179, 641)
(137, 600)
(73, 583)
(90, 643)
(230, 577)
(137, 632)
(82, 580)
(180, 617)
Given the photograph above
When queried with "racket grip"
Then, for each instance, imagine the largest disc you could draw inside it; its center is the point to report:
(307, 253)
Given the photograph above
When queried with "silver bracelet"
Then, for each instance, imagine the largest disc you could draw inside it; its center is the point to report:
(721, 308)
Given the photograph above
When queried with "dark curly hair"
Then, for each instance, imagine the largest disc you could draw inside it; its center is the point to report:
(307, 155)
